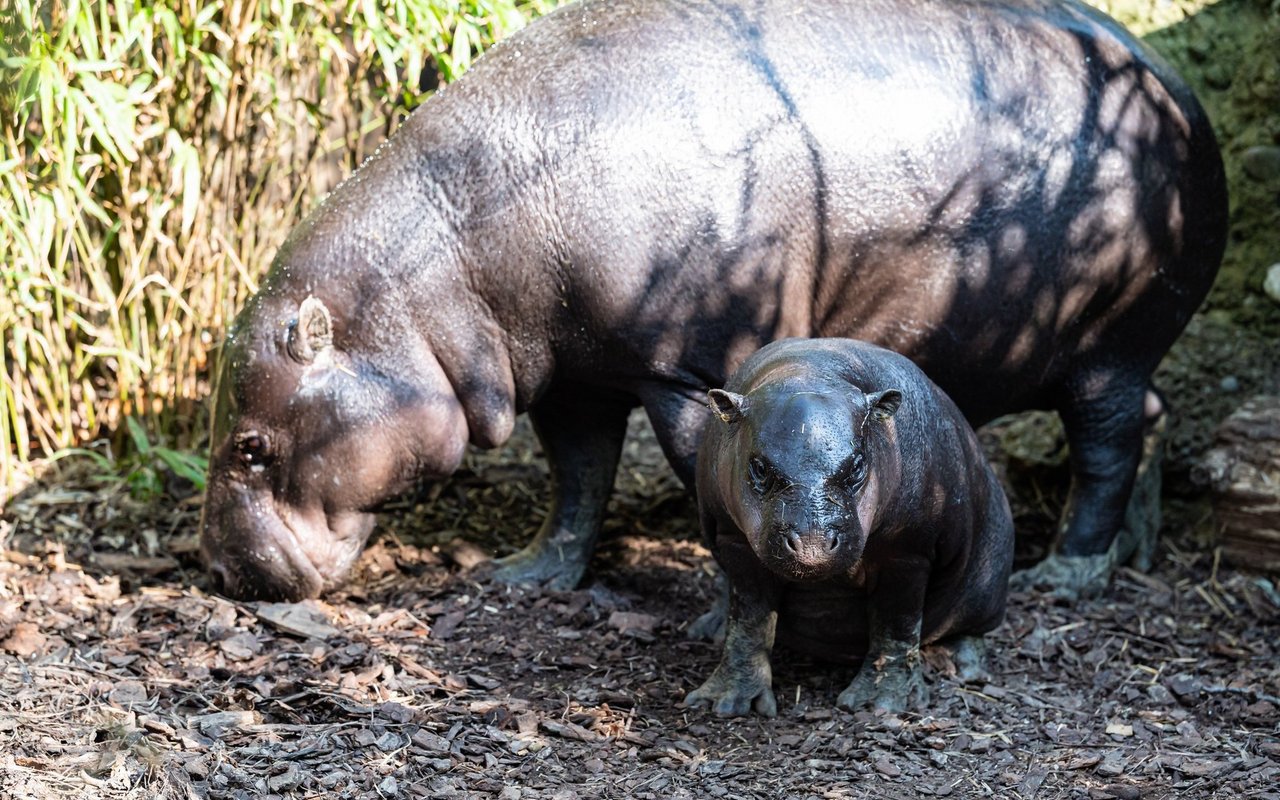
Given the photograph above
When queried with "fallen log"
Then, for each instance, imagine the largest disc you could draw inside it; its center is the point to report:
(1242, 470)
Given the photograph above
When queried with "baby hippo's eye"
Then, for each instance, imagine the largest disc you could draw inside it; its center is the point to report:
(853, 473)
(763, 477)
(252, 448)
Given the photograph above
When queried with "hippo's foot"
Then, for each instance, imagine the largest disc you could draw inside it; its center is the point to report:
(542, 564)
(969, 654)
(711, 626)
(1067, 577)
(733, 692)
(892, 684)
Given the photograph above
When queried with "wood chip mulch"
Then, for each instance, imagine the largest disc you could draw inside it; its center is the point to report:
(121, 677)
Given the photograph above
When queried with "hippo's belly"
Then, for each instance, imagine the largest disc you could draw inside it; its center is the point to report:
(826, 620)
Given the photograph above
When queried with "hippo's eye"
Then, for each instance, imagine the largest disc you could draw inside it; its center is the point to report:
(252, 448)
(764, 478)
(853, 473)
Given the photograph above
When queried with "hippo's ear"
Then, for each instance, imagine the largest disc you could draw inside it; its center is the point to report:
(312, 333)
(884, 404)
(728, 406)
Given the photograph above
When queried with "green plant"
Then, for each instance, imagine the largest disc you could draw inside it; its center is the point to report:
(152, 156)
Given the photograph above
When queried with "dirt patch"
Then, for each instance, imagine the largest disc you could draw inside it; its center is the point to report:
(422, 680)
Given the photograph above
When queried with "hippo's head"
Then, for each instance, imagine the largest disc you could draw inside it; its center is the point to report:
(309, 434)
(804, 473)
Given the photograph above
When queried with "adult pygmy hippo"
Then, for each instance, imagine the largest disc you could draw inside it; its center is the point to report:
(851, 507)
(620, 203)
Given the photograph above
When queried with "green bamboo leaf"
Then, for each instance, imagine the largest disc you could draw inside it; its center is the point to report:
(186, 168)
(99, 460)
(185, 465)
(116, 121)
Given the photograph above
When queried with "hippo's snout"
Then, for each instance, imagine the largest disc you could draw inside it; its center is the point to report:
(814, 546)
(254, 553)
(806, 554)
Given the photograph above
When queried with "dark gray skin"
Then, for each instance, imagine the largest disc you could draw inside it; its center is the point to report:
(620, 203)
(851, 507)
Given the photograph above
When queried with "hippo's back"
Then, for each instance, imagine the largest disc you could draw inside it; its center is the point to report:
(991, 188)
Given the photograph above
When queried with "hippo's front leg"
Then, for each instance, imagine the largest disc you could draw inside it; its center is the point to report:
(582, 440)
(891, 677)
(743, 680)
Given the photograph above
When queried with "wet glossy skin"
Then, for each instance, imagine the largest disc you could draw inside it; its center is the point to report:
(619, 204)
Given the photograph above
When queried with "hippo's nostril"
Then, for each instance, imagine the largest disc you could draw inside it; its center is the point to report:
(833, 542)
(791, 540)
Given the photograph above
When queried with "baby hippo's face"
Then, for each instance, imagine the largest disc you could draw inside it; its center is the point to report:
(803, 470)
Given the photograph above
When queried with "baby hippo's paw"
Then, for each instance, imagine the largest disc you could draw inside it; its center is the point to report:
(893, 687)
(732, 693)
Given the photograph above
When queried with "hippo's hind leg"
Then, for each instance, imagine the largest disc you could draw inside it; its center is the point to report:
(581, 433)
(1104, 416)
(1136, 542)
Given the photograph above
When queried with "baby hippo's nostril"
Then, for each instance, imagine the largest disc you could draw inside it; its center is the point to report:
(833, 541)
(792, 541)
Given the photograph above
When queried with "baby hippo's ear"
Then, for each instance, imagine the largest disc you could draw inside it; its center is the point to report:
(884, 404)
(728, 406)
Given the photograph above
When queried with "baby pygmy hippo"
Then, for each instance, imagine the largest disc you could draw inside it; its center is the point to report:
(855, 516)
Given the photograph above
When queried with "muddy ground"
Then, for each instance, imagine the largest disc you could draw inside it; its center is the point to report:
(122, 676)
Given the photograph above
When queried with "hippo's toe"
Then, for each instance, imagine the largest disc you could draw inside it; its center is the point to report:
(1067, 577)
(734, 700)
(541, 565)
(736, 693)
(892, 687)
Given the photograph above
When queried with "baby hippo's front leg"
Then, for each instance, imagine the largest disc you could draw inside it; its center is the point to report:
(891, 677)
(744, 678)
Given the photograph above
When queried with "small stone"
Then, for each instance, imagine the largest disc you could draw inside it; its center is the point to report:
(303, 619)
(1159, 695)
(1271, 284)
(389, 742)
(633, 623)
(1262, 163)
(1184, 685)
(389, 787)
(509, 793)
(1230, 384)
(430, 742)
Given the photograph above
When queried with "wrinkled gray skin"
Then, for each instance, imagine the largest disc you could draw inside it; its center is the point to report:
(855, 515)
(620, 203)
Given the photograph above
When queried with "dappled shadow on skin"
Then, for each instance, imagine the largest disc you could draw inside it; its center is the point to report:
(1040, 252)
(1046, 258)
